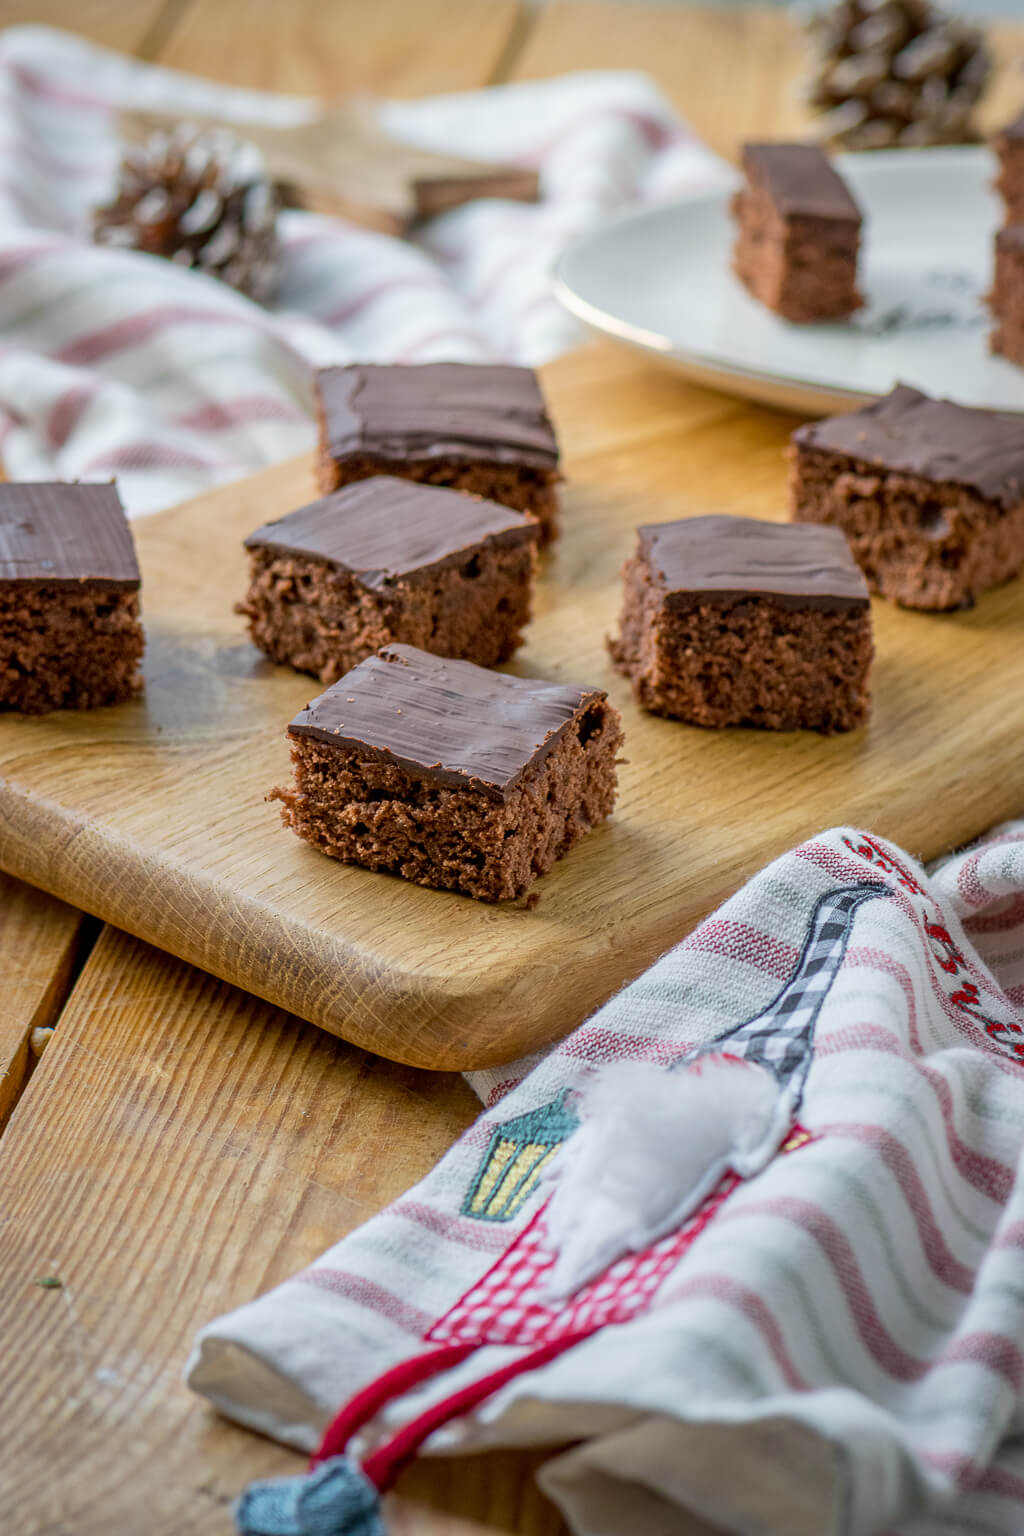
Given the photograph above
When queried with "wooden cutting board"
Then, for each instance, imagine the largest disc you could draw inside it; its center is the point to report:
(152, 815)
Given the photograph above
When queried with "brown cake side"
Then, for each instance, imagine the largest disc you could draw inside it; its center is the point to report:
(743, 661)
(370, 812)
(305, 614)
(70, 636)
(449, 775)
(481, 428)
(385, 560)
(1006, 299)
(521, 487)
(1009, 183)
(68, 648)
(922, 543)
(803, 269)
(798, 234)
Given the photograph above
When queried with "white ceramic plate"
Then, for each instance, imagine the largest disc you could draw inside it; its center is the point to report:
(660, 280)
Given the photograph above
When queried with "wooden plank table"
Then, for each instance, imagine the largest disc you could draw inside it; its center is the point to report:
(180, 1146)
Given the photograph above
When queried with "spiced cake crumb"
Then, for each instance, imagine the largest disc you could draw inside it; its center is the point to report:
(449, 775)
(797, 233)
(733, 621)
(70, 636)
(384, 560)
(929, 494)
(482, 428)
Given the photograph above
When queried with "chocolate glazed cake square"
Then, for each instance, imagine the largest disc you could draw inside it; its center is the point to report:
(798, 233)
(388, 560)
(477, 427)
(70, 636)
(449, 775)
(732, 621)
(930, 494)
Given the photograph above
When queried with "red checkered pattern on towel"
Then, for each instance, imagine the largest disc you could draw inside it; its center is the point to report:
(507, 1306)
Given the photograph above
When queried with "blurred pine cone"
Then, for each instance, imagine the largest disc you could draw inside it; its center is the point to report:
(201, 199)
(896, 72)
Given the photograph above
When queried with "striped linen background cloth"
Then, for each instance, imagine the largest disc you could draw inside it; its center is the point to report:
(117, 364)
(835, 1345)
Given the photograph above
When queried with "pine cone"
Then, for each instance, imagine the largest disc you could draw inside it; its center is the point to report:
(202, 200)
(896, 72)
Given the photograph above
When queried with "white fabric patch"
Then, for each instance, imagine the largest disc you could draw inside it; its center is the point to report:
(652, 1144)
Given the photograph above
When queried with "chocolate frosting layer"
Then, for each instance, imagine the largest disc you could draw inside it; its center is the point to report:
(724, 559)
(936, 439)
(476, 412)
(385, 528)
(800, 181)
(61, 535)
(448, 722)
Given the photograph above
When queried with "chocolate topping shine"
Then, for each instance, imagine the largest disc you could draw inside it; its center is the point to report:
(383, 528)
(936, 439)
(62, 535)
(800, 181)
(448, 722)
(726, 559)
(464, 411)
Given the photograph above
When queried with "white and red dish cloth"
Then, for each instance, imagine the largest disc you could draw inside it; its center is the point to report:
(117, 364)
(834, 1344)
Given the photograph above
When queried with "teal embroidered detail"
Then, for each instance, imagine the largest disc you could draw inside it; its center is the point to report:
(516, 1158)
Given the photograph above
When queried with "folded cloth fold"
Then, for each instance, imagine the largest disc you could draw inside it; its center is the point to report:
(829, 1340)
(114, 363)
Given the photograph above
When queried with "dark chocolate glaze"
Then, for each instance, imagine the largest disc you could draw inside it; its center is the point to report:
(800, 181)
(471, 412)
(723, 559)
(62, 535)
(448, 722)
(384, 528)
(936, 439)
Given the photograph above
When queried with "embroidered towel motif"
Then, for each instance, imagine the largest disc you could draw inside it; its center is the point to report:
(517, 1157)
(843, 1337)
(512, 1305)
(655, 1142)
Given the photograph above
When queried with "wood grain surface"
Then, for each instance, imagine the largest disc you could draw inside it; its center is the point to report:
(179, 1149)
(153, 815)
(391, 47)
(132, 26)
(38, 943)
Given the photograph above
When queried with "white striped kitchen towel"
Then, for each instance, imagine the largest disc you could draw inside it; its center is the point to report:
(112, 363)
(832, 1344)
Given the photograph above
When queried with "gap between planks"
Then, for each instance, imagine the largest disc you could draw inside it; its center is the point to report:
(182, 1148)
(44, 944)
(160, 30)
(519, 34)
